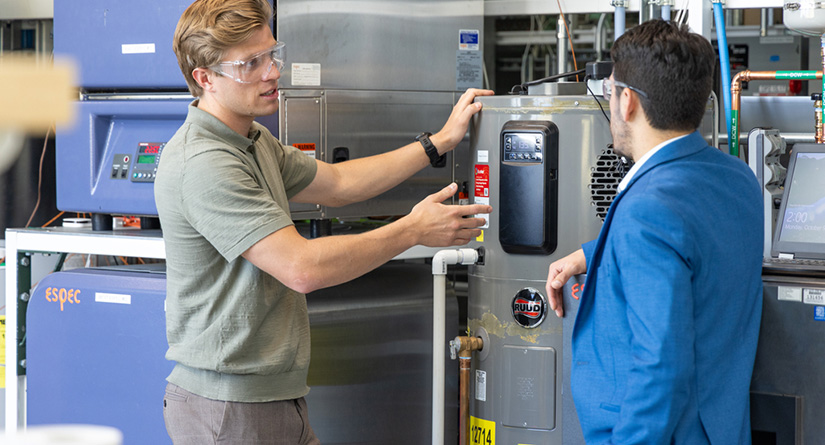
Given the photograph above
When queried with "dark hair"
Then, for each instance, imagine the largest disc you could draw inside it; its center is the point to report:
(674, 66)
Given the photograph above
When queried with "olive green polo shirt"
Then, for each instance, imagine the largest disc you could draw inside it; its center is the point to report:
(235, 332)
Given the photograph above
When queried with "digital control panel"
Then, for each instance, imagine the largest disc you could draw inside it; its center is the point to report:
(523, 147)
(145, 164)
(528, 192)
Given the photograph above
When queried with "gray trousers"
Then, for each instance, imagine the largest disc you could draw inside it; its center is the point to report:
(195, 420)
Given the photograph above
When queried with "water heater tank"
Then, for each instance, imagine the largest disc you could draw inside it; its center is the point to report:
(805, 16)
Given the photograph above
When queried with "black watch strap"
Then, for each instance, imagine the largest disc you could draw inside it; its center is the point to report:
(436, 160)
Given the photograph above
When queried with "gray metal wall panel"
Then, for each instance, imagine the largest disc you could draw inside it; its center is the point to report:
(379, 44)
(305, 126)
(370, 123)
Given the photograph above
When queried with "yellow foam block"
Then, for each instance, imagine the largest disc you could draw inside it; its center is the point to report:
(34, 93)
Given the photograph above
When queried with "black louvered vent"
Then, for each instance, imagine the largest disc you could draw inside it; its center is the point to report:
(604, 179)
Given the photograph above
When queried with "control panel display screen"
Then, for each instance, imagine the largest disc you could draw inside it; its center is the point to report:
(145, 168)
(524, 147)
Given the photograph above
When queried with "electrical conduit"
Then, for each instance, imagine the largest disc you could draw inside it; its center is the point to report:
(724, 62)
(440, 262)
(736, 89)
(666, 5)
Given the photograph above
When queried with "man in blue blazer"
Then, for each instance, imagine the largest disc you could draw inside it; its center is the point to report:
(665, 337)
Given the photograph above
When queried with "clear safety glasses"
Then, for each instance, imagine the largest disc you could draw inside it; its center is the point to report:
(607, 88)
(255, 67)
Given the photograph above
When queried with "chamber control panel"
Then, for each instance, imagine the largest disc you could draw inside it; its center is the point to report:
(145, 163)
(528, 194)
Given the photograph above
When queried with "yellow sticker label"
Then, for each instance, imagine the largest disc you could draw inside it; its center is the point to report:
(480, 238)
(482, 432)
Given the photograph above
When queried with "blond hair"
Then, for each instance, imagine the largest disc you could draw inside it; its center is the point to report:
(210, 27)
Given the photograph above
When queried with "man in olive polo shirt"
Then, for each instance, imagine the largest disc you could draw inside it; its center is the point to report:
(237, 269)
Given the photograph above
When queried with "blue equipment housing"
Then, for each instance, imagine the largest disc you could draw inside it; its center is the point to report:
(97, 357)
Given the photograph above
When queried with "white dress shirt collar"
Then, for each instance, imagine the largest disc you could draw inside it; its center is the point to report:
(629, 176)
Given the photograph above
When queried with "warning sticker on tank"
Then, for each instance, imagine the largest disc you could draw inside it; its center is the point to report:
(482, 432)
(482, 180)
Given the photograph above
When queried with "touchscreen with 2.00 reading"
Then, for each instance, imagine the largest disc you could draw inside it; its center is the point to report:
(801, 228)
(804, 216)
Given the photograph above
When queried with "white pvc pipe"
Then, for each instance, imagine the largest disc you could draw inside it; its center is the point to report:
(439, 321)
(440, 262)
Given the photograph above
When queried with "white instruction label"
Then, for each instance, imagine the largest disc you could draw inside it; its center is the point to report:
(485, 216)
(138, 48)
(814, 296)
(788, 293)
(101, 297)
(483, 157)
(306, 74)
(481, 385)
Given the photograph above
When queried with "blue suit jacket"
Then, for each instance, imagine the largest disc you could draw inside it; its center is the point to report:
(666, 331)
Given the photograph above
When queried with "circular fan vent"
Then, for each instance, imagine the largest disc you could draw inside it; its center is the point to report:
(605, 176)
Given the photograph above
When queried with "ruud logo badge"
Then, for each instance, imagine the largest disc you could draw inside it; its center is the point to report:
(529, 307)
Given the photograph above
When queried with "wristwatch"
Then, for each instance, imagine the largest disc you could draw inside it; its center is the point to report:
(435, 160)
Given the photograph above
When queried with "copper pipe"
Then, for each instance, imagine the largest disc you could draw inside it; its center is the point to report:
(747, 76)
(465, 346)
(736, 90)
(818, 116)
(464, 394)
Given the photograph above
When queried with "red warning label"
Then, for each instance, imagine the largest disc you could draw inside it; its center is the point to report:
(482, 181)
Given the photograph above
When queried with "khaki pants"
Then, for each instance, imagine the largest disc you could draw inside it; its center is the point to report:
(195, 420)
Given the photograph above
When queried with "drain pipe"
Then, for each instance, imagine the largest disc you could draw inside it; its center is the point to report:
(464, 347)
(619, 17)
(736, 90)
(440, 262)
(561, 38)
